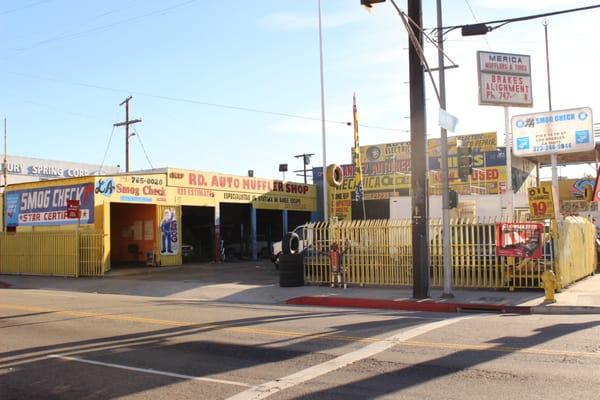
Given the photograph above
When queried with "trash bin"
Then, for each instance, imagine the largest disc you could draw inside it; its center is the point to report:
(291, 270)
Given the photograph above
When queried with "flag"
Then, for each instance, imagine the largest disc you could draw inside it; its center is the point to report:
(358, 188)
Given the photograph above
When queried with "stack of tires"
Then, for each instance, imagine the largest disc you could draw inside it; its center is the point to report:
(291, 263)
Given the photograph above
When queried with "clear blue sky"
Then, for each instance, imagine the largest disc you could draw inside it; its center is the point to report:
(65, 66)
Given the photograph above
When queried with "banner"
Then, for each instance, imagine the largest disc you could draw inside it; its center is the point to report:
(519, 239)
(48, 205)
(358, 187)
(151, 189)
(209, 189)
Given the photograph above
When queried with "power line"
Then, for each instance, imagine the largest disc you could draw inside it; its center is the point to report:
(143, 148)
(12, 10)
(477, 21)
(198, 102)
(503, 22)
(107, 147)
(102, 27)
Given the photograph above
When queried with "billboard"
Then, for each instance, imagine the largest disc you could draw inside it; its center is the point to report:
(504, 79)
(563, 131)
(48, 206)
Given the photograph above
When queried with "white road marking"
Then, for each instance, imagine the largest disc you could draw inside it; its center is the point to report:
(149, 371)
(267, 389)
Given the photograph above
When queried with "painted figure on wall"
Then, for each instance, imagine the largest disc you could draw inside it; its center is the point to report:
(166, 228)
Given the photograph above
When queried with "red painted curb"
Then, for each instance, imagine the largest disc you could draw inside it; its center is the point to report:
(406, 305)
(4, 285)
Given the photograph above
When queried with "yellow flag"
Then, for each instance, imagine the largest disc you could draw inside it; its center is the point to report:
(358, 188)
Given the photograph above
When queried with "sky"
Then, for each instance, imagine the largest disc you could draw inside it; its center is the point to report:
(235, 86)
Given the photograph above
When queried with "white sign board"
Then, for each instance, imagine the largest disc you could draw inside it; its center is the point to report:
(504, 79)
(563, 131)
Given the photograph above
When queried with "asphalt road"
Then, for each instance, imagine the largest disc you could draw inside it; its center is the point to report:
(66, 345)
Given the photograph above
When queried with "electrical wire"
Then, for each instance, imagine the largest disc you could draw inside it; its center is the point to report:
(12, 10)
(197, 102)
(102, 28)
(107, 147)
(143, 148)
(477, 21)
(503, 22)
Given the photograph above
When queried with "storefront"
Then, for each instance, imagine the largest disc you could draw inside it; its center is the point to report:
(160, 216)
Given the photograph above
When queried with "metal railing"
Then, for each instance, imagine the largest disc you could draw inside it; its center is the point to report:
(379, 253)
(63, 253)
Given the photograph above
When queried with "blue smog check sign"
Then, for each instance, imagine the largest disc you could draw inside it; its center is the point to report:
(563, 131)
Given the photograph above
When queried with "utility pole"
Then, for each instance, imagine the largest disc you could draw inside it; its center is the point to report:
(4, 175)
(126, 123)
(446, 252)
(305, 162)
(418, 159)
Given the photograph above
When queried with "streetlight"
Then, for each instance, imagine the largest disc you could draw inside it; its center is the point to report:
(418, 154)
(323, 135)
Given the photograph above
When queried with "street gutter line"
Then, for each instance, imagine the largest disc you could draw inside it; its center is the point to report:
(270, 388)
(149, 371)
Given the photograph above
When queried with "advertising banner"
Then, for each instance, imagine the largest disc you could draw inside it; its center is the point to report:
(151, 189)
(48, 205)
(563, 131)
(541, 203)
(504, 79)
(519, 239)
(207, 188)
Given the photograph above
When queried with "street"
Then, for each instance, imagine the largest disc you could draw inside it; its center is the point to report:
(67, 345)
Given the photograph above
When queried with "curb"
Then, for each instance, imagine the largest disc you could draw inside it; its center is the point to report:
(406, 305)
(565, 310)
(4, 285)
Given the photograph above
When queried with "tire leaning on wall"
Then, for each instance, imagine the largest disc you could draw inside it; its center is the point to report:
(335, 175)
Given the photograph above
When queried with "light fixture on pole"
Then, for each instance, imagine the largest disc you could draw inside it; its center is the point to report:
(283, 169)
(323, 133)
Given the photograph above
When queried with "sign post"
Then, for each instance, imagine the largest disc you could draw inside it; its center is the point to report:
(505, 80)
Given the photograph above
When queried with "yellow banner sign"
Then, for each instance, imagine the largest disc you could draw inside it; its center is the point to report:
(205, 188)
(478, 142)
(541, 203)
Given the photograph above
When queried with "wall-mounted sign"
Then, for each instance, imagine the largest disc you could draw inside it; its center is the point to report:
(73, 210)
(519, 239)
(208, 188)
(541, 203)
(133, 188)
(504, 79)
(563, 131)
(48, 205)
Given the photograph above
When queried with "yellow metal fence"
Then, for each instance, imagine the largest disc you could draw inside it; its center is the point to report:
(63, 253)
(379, 253)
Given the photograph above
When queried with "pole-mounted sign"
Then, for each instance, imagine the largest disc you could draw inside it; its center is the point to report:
(504, 79)
(562, 131)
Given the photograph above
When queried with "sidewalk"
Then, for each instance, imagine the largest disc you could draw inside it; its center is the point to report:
(249, 282)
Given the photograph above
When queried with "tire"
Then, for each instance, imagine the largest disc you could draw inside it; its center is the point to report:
(291, 272)
(290, 243)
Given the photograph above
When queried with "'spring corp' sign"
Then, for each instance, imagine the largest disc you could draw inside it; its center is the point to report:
(44, 170)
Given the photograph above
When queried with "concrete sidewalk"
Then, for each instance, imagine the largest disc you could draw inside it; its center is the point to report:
(249, 282)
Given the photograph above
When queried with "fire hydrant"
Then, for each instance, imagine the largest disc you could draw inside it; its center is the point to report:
(549, 283)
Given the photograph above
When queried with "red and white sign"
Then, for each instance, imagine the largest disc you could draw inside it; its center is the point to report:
(519, 239)
(73, 209)
(504, 79)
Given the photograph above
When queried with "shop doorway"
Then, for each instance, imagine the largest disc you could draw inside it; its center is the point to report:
(197, 231)
(132, 233)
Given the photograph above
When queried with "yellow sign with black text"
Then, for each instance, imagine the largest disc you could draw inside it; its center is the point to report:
(541, 203)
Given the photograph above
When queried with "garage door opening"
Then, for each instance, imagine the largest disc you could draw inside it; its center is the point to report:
(197, 233)
(132, 233)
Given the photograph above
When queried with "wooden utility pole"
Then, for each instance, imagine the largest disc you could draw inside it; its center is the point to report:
(126, 123)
